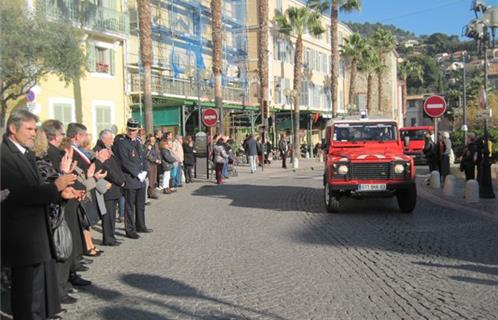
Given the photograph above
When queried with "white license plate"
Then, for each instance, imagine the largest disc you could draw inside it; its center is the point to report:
(372, 187)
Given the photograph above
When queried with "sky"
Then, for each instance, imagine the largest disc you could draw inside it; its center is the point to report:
(418, 16)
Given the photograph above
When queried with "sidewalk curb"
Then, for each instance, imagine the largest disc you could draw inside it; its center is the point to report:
(448, 203)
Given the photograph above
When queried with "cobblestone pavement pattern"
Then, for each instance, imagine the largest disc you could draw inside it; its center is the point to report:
(262, 247)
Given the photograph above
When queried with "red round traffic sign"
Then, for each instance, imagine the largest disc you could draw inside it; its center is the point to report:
(209, 117)
(435, 106)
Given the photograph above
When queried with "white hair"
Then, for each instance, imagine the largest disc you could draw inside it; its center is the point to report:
(446, 135)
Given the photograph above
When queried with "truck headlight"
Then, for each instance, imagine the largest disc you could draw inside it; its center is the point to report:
(343, 170)
(399, 168)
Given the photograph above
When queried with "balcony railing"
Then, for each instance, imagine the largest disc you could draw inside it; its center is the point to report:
(168, 86)
(86, 14)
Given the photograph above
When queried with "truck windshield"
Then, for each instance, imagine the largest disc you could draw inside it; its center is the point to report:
(349, 132)
(413, 134)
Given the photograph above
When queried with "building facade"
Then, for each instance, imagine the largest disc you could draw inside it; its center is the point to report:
(98, 99)
(182, 80)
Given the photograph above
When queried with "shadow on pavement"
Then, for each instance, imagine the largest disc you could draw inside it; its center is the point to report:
(119, 312)
(465, 267)
(485, 282)
(173, 288)
(103, 294)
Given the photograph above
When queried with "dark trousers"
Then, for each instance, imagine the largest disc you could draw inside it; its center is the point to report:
(63, 269)
(71, 216)
(34, 291)
(188, 172)
(134, 210)
(219, 170)
(284, 159)
(152, 179)
(108, 221)
(432, 165)
(470, 172)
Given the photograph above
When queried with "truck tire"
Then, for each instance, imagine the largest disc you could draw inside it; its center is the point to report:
(407, 199)
(332, 204)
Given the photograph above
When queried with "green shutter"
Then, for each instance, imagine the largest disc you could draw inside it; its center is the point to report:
(112, 61)
(91, 58)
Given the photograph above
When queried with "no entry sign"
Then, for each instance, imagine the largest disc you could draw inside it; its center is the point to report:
(209, 117)
(435, 106)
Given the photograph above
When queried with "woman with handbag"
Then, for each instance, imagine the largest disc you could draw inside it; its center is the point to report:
(220, 157)
(61, 234)
(167, 165)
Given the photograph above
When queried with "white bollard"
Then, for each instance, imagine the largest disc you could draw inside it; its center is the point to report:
(295, 163)
(449, 185)
(435, 180)
(471, 191)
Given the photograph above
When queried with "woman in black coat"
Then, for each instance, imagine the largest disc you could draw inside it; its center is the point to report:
(188, 158)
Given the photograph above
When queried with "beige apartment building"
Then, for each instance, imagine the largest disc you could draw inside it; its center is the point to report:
(315, 101)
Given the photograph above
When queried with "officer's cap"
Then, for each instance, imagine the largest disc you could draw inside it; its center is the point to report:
(132, 124)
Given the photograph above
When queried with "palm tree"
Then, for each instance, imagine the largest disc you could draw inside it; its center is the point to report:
(384, 42)
(368, 64)
(145, 23)
(409, 69)
(217, 35)
(263, 60)
(353, 49)
(345, 6)
(296, 21)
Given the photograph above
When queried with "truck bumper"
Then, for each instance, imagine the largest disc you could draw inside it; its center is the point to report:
(391, 188)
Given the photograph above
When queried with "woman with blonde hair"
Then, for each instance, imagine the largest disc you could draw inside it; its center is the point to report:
(167, 164)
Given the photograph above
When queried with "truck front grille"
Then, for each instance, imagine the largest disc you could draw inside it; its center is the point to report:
(370, 171)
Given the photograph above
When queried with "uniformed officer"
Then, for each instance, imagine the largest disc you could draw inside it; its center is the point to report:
(134, 164)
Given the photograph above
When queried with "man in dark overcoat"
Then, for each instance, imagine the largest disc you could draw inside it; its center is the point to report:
(26, 240)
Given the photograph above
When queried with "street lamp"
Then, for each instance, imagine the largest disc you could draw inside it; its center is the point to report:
(290, 95)
(456, 67)
(478, 29)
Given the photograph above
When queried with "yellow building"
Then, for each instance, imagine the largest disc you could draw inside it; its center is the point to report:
(315, 85)
(98, 99)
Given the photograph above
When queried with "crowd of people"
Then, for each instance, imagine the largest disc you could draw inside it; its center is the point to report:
(56, 187)
(440, 155)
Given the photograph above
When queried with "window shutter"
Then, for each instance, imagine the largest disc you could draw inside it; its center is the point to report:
(112, 61)
(91, 63)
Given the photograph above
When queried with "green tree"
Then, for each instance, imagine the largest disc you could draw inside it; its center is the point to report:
(383, 41)
(431, 75)
(369, 62)
(263, 60)
(295, 22)
(352, 49)
(336, 6)
(408, 70)
(217, 36)
(31, 48)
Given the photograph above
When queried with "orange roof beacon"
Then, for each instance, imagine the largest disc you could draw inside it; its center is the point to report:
(364, 159)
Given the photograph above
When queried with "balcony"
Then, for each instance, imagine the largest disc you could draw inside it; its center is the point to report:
(183, 88)
(87, 15)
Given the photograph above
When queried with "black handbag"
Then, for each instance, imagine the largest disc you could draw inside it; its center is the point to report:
(89, 213)
(61, 234)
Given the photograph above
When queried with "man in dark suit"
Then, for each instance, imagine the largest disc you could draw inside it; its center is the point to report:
(27, 245)
(133, 160)
(116, 180)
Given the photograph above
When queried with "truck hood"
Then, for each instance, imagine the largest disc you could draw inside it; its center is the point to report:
(385, 154)
(415, 145)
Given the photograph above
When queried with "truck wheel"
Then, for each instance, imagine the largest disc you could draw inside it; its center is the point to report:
(332, 204)
(407, 199)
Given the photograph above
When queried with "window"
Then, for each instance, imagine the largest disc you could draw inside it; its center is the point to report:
(361, 101)
(101, 59)
(304, 93)
(62, 109)
(278, 6)
(278, 89)
(103, 116)
(413, 122)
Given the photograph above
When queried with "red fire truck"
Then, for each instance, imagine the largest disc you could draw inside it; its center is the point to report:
(364, 159)
(416, 140)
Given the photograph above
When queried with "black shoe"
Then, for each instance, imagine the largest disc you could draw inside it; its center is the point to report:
(67, 299)
(145, 231)
(112, 244)
(80, 267)
(86, 261)
(119, 220)
(78, 281)
(132, 236)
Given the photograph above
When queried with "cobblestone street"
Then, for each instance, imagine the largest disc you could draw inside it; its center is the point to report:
(262, 247)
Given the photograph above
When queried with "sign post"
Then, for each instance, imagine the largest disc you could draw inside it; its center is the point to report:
(435, 107)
